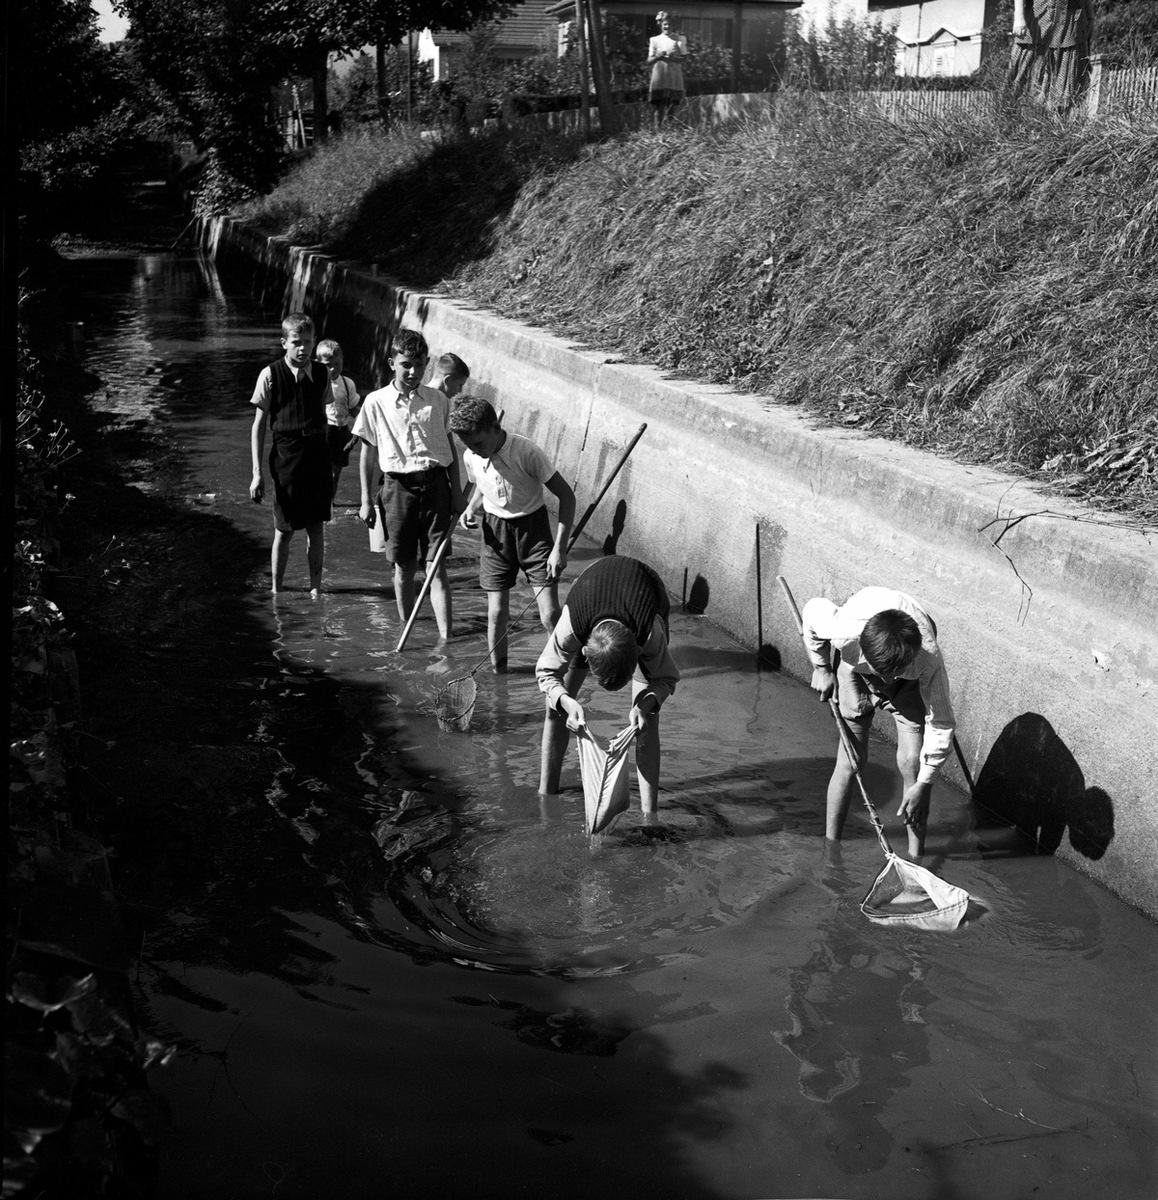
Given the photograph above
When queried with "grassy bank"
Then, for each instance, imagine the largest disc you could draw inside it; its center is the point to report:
(983, 288)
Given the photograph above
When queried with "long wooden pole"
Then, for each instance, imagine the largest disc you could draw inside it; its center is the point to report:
(595, 503)
(584, 97)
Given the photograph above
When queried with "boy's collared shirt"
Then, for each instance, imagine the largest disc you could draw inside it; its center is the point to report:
(511, 480)
(827, 627)
(344, 396)
(409, 432)
(263, 390)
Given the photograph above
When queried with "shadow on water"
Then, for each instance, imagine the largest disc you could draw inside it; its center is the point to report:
(1031, 784)
(243, 817)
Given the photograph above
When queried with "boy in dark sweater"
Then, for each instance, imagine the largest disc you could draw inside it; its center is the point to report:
(615, 624)
(290, 399)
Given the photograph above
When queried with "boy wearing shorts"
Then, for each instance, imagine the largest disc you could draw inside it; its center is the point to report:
(886, 656)
(341, 410)
(403, 428)
(289, 402)
(510, 472)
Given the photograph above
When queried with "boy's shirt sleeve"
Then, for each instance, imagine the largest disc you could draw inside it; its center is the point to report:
(538, 465)
(551, 669)
(940, 723)
(468, 461)
(363, 422)
(263, 390)
(657, 665)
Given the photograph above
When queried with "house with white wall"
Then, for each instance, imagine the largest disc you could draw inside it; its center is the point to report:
(937, 37)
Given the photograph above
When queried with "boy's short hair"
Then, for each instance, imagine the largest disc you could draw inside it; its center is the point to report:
(890, 640)
(611, 654)
(296, 322)
(472, 415)
(450, 364)
(408, 343)
(328, 346)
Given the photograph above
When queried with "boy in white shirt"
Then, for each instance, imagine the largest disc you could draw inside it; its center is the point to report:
(403, 427)
(510, 472)
(342, 408)
(885, 646)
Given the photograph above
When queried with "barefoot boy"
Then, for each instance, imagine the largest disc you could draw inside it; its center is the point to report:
(510, 473)
(406, 424)
(341, 410)
(615, 623)
(887, 657)
(290, 398)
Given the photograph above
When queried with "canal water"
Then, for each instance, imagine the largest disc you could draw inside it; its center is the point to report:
(398, 972)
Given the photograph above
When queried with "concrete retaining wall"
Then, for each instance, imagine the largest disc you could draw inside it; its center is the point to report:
(1046, 610)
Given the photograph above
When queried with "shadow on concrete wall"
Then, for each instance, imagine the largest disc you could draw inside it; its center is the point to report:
(618, 522)
(1032, 784)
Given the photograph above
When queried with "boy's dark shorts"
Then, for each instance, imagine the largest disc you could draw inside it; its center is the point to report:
(338, 439)
(416, 507)
(861, 695)
(514, 544)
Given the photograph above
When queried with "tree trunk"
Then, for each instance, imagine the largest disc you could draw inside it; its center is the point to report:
(380, 69)
(320, 77)
(608, 117)
(584, 96)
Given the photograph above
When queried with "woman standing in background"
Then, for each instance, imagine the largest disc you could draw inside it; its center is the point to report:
(665, 53)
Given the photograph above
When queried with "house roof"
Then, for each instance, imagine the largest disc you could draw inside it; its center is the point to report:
(560, 8)
(525, 27)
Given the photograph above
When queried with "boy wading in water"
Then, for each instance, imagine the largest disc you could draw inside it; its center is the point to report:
(342, 409)
(510, 473)
(290, 398)
(886, 656)
(406, 424)
(615, 623)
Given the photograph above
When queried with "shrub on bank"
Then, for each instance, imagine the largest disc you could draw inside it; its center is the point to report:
(980, 286)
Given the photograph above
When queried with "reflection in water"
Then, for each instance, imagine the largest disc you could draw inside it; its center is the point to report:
(669, 953)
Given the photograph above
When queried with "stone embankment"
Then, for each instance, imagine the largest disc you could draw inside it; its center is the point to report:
(1046, 610)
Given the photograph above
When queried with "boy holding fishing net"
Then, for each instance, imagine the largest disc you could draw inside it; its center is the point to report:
(883, 645)
(615, 624)
(509, 473)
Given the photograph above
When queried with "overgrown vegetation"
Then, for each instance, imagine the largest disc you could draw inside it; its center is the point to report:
(79, 1116)
(982, 288)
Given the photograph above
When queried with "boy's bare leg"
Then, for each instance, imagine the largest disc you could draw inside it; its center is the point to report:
(404, 589)
(440, 601)
(279, 556)
(909, 740)
(647, 757)
(555, 734)
(841, 784)
(337, 476)
(316, 554)
(498, 617)
(548, 601)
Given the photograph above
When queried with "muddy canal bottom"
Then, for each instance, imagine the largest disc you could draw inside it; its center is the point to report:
(401, 973)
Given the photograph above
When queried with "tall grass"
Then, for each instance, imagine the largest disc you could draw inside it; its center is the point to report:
(984, 287)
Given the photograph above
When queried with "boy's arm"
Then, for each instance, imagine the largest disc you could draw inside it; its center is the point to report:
(456, 501)
(474, 499)
(256, 452)
(365, 476)
(561, 489)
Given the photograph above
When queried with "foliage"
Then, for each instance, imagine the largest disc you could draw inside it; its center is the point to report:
(77, 117)
(79, 1116)
(1126, 32)
(840, 53)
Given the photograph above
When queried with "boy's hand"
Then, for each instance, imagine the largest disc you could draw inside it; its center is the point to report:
(823, 682)
(914, 808)
(638, 718)
(257, 488)
(556, 564)
(467, 521)
(576, 718)
(366, 512)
